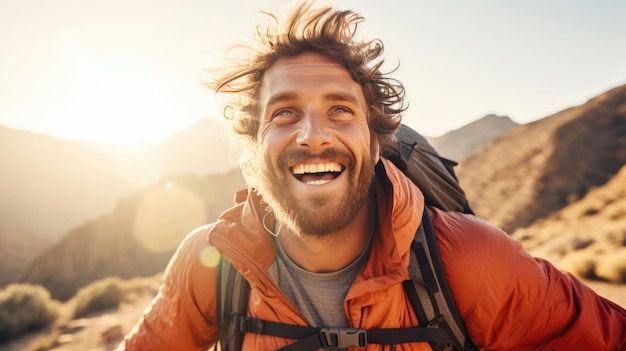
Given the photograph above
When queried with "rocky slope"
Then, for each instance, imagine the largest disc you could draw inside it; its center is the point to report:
(539, 168)
(587, 237)
(137, 238)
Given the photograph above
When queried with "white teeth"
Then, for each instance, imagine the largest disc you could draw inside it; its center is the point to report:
(316, 168)
(318, 182)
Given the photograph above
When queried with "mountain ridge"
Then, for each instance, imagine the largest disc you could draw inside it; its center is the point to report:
(537, 167)
(458, 143)
(137, 237)
(56, 185)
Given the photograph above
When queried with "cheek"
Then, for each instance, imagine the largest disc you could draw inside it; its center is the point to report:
(272, 141)
(262, 132)
(370, 146)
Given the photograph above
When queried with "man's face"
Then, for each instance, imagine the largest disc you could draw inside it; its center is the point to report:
(315, 153)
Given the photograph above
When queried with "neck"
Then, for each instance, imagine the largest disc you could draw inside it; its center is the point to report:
(330, 252)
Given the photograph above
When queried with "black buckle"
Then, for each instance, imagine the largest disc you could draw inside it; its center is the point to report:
(241, 323)
(344, 337)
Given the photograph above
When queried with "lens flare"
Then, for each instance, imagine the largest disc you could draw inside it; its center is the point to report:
(210, 257)
(165, 214)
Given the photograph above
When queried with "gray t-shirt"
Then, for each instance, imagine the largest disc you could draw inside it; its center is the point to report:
(318, 296)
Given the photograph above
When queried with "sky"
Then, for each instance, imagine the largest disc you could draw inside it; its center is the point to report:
(129, 71)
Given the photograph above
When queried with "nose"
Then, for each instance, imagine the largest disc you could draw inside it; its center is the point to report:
(313, 133)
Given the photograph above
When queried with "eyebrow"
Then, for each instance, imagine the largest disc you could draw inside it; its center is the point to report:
(287, 96)
(332, 96)
(341, 96)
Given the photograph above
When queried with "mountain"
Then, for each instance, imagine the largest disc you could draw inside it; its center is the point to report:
(136, 238)
(457, 144)
(540, 167)
(50, 186)
(200, 149)
(17, 250)
(54, 184)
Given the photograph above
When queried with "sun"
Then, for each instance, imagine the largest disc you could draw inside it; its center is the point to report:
(116, 97)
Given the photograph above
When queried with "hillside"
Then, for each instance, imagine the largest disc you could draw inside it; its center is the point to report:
(588, 237)
(50, 186)
(138, 237)
(540, 167)
(17, 250)
(55, 184)
(457, 144)
(200, 149)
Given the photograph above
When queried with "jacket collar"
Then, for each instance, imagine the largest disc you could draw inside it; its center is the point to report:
(240, 237)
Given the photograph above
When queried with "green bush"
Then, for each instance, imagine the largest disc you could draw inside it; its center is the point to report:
(98, 296)
(23, 308)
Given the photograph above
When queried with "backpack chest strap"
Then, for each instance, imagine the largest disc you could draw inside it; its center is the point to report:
(312, 338)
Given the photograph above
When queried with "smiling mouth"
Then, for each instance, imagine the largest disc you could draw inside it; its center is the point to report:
(317, 173)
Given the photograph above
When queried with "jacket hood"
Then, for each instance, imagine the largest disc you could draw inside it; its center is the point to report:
(240, 236)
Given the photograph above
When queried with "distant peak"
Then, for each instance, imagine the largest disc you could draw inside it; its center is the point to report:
(494, 116)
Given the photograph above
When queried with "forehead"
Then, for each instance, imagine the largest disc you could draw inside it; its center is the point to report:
(305, 72)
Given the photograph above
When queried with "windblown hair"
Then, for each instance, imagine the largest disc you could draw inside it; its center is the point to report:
(325, 31)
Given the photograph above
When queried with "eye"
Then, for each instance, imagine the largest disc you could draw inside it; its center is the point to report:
(341, 109)
(284, 116)
(283, 113)
(341, 113)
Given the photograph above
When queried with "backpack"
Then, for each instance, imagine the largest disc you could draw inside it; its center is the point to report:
(440, 323)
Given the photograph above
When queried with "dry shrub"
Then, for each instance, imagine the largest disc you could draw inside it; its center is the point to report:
(110, 292)
(580, 263)
(590, 211)
(23, 308)
(98, 296)
(617, 237)
(561, 246)
(617, 213)
(612, 267)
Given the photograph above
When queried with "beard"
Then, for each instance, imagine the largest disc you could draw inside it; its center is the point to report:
(318, 216)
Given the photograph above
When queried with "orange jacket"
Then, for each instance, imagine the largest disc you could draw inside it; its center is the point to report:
(508, 299)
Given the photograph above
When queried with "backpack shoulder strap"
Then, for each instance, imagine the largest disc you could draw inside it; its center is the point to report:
(428, 289)
(232, 300)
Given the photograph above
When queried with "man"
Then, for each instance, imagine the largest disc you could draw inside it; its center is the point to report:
(324, 232)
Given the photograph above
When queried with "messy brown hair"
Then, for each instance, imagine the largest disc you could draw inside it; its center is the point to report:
(325, 31)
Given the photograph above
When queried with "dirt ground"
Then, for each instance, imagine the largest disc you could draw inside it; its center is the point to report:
(100, 332)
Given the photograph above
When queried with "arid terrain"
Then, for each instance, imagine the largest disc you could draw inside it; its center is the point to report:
(90, 333)
(557, 185)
